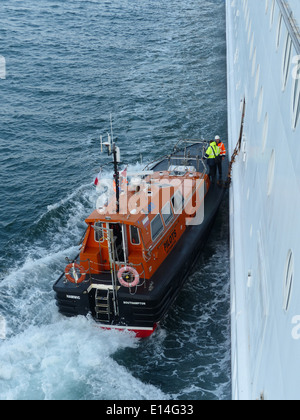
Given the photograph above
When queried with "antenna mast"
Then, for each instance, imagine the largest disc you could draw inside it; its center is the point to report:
(115, 151)
(111, 128)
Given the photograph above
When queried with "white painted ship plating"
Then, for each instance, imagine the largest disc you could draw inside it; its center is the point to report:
(263, 69)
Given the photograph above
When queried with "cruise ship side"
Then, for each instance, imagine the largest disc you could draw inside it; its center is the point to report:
(263, 58)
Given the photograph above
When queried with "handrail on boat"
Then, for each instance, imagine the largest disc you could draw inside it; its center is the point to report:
(102, 270)
(183, 145)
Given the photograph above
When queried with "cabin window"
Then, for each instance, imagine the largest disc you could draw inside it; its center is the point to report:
(98, 228)
(286, 61)
(167, 213)
(296, 104)
(296, 92)
(134, 235)
(288, 284)
(254, 62)
(267, 6)
(265, 133)
(279, 31)
(257, 78)
(260, 104)
(178, 202)
(272, 14)
(156, 227)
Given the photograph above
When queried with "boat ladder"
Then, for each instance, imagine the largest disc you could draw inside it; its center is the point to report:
(102, 308)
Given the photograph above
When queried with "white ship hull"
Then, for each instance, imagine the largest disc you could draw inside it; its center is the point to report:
(262, 44)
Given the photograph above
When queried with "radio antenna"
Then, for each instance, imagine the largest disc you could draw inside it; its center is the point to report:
(111, 128)
(114, 150)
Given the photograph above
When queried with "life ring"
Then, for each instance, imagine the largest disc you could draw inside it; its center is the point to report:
(128, 277)
(74, 278)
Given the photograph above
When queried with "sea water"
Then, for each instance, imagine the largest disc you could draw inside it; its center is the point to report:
(159, 68)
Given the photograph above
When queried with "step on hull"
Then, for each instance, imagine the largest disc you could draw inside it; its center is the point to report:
(139, 332)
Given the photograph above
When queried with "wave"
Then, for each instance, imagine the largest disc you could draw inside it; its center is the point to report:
(46, 356)
(69, 359)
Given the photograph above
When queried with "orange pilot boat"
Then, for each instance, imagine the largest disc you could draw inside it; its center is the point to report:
(141, 244)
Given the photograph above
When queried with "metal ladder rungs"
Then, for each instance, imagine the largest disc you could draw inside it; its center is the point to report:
(102, 307)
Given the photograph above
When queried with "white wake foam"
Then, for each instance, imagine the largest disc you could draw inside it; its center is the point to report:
(68, 359)
(2, 328)
(45, 355)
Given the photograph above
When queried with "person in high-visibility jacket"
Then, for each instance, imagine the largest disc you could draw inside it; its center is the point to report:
(222, 148)
(212, 155)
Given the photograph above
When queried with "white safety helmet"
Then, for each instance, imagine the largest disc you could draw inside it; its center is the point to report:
(217, 138)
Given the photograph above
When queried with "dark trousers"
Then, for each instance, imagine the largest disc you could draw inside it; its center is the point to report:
(212, 169)
(220, 169)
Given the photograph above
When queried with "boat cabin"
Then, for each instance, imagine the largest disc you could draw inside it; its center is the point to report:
(153, 215)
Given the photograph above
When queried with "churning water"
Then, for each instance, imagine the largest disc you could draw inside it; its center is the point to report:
(160, 68)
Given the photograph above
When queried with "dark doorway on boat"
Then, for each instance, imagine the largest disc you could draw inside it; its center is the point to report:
(119, 241)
